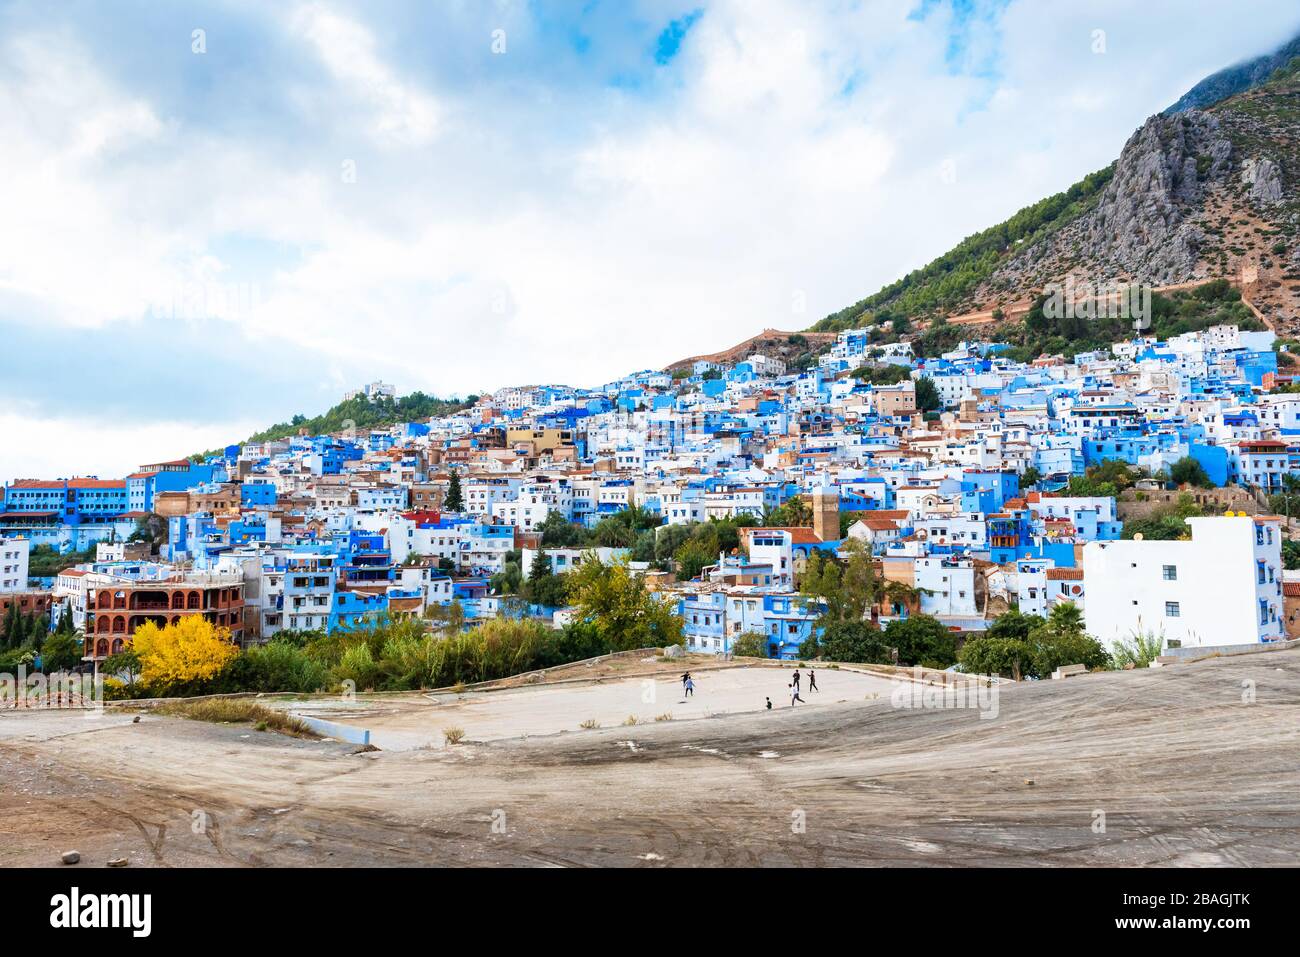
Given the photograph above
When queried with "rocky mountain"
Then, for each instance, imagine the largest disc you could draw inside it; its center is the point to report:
(796, 349)
(1197, 194)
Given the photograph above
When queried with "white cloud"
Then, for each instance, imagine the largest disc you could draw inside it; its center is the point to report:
(63, 448)
(791, 152)
(402, 113)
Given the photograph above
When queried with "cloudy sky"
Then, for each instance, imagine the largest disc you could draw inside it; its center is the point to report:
(216, 215)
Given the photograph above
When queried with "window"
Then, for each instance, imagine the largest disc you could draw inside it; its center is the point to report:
(1171, 573)
(1172, 610)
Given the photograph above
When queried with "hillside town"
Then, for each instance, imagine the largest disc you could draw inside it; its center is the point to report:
(1138, 484)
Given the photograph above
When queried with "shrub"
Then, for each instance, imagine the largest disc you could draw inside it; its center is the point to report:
(358, 666)
(1010, 657)
(1139, 649)
(921, 639)
(237, 711)
(183, 657)
(590, 724)
(855, 641)
(751, 644)
(453, 735)
(281, 666)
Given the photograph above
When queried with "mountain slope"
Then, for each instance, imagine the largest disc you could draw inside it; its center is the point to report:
(1195, 195)
(363, 413)
(1235, 79)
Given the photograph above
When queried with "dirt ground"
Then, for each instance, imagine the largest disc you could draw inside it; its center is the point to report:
(1194, 764)
(401, 723)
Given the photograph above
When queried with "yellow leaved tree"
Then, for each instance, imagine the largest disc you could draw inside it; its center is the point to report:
(192, 650)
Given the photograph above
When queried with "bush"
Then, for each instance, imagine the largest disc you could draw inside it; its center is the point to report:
(280, 666)
(237, 711)
(1188, 471)
(921, 639)
(60, 652)
(1053, 651)
(751, 644)
(855, 641)
(453, 735)
(1009, 657)
(1139, 649)
(358, 666)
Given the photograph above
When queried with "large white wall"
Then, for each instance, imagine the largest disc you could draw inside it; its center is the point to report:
(1217, 588)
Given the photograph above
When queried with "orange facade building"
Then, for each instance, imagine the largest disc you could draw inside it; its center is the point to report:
(120, 609)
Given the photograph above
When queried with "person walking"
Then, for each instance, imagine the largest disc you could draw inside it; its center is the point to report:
(794, 695)
(769, 704)
(685, 678)
(812, 680)
(796, 679)
(690, 687)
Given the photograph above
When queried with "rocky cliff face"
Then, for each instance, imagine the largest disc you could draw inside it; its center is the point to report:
(1142, 225)
(1195, 195)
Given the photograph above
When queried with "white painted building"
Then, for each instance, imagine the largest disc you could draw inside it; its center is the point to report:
(1223, 587)
(947, 586)
(14, 557)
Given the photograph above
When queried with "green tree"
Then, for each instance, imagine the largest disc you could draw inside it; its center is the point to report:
(59, 652)
(752, 644)
(539, 566)
(692, 558)
(125, 664)
(922, 640)
(1188, 471)
(1060, 640)
(846, 591)
(543, 587)
(454, 502)
(1030, 477)
(1105, 479)
(625, 612)
(1167, 523)
(621, 529)
(794, 512)
(855, 641)
(986, 655)
(511, 577)
(558, 532)
(927, 395)
(1012, 625)
(13, 626)
(65, 625)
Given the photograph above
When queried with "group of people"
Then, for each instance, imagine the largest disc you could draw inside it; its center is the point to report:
(688, 686)
(794, 687)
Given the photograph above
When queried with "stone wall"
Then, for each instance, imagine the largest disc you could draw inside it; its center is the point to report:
(1213, 501)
